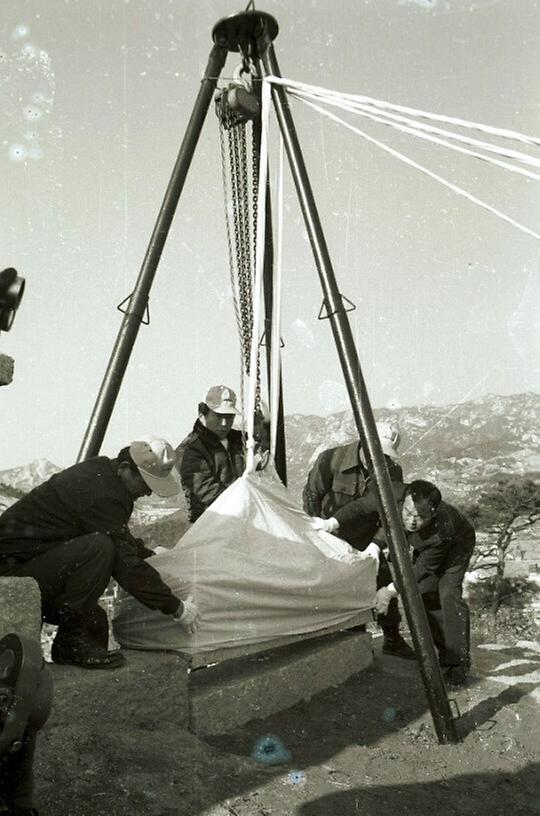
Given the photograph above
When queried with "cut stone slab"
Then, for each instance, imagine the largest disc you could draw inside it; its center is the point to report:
(226, 696)
(20, 607)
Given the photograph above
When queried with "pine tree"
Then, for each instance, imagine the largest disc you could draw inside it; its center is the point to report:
(502, 512)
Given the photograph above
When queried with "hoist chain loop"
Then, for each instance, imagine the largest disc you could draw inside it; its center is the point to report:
(238, 177)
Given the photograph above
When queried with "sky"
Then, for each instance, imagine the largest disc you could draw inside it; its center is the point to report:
(95, 98)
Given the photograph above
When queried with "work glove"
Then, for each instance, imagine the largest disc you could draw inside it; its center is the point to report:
(383, 596)
(327, 525)
(261, 459)
(190, 618)
(374, 551)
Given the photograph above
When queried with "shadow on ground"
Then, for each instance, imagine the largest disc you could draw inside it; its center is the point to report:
(371, 738)
(467, 795)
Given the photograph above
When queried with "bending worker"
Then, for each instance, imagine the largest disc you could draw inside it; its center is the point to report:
(338, 478)
(70, 534)
(442, 542)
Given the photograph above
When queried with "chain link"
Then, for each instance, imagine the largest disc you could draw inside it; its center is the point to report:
(238, 176)
(230, 248)
(255, 158)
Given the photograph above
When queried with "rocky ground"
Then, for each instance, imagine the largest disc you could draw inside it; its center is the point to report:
(366, 747)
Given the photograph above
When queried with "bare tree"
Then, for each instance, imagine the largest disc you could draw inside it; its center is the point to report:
(502, 512)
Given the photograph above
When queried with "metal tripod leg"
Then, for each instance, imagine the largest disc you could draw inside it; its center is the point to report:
(363, 415)
(138, 300)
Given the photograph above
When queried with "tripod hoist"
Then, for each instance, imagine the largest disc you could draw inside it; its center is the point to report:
(251, 34)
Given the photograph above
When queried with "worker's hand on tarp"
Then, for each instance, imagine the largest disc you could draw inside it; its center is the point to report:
(327, 525)
(190, 619)
(383, 596)
(374, 551)
(261, 459)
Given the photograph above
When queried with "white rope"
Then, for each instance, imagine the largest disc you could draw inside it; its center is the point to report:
(506, 152)
(275, 369)
(363, 111)
(258, 282)
(427, 172)
(493, 131)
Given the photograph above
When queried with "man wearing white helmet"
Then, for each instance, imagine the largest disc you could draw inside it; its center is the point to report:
(339, 477)
(70, 534)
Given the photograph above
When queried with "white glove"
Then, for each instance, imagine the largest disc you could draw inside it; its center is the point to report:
(373, 551)
(328, 525)
(383, 596)
(190, 618)
(261, 459)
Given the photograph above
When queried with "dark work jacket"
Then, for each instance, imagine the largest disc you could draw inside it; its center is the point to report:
(446, 542)
(88, 497)
(335, 481)
(206, 468)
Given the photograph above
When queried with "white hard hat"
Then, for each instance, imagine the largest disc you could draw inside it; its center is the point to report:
(389, 438)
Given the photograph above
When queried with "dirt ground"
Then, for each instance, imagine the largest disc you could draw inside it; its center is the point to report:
(366, 747)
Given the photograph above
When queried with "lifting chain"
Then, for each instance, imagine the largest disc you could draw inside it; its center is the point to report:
(241, 209)
(255, 158)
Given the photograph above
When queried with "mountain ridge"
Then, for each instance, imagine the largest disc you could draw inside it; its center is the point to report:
(461, 447)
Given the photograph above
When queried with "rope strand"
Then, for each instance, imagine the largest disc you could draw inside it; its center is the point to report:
(431, 174)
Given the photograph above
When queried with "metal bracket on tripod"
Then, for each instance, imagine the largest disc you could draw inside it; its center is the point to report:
(327, 315)
(146, 313)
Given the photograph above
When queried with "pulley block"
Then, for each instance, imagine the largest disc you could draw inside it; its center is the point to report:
(235, 104)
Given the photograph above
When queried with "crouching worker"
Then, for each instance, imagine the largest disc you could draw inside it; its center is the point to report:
(70, 534)
(442, 542)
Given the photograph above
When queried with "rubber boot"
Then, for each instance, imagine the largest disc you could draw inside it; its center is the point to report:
(77, 641)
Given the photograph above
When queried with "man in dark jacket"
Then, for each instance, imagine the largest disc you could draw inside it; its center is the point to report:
(339, 477)
(442, 542)
(212, 457)
(70, 534)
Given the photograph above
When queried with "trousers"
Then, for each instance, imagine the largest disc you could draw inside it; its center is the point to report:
(70, 574)
(449, 618)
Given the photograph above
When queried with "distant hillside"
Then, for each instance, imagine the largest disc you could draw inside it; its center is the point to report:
(26, 477)
(459, 447)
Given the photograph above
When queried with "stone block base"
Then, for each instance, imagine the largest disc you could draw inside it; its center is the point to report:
(226, 696)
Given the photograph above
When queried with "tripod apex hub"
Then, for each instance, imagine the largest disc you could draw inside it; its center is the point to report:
(240, 31)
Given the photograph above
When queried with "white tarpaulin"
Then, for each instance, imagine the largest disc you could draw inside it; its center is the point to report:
(257, 570)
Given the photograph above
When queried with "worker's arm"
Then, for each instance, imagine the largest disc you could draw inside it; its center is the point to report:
(141, 580)
(430, 555)
(365, 505)
(109, 515)
(317, 486)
